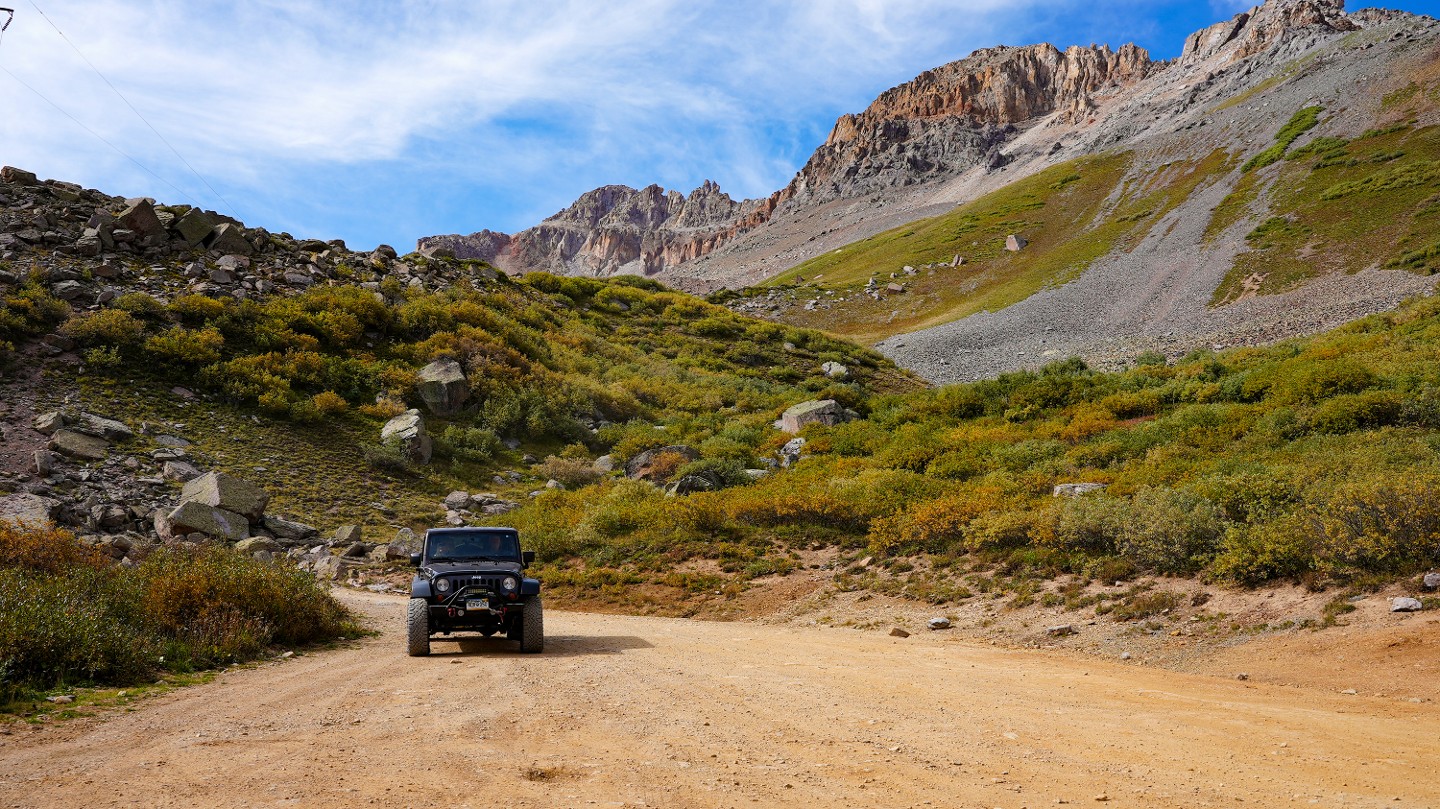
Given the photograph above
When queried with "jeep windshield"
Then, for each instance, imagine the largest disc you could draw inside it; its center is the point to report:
(472, 545)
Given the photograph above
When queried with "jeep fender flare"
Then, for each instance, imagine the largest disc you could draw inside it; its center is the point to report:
(420, 588)
(529, 587)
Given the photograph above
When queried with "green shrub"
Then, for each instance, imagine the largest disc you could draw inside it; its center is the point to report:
(1169, 530)
(107, 327)
(187, 347)
(476, 444)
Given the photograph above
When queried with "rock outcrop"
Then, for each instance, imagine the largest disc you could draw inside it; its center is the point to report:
(954, 121)
(615, 230)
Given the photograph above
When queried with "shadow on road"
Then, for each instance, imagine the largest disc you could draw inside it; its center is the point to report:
(555, 646)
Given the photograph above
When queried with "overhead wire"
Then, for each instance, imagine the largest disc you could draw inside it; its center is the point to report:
(98, 136)
(137, 112)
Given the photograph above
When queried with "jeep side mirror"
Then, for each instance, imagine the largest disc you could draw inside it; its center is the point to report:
(415, 559)
(527, 558)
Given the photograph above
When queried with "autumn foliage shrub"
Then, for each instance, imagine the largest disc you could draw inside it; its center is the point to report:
(70, 616)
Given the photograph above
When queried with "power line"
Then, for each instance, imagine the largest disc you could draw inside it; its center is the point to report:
(100, 137)
(137, 112)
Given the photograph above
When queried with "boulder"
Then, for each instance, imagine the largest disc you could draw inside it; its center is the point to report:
(15, 176)
(895, 289)
(288, 529)
(44, 462)
(1076, 489)
(443, 387)
(140, 217)
(256, 544)
(816, 411)
(897, 632)
(108, 429)
(356, 550)
(406, 432)
(1061, 630)
(228, 493)
(1431, 581)
(938, 623)
(1015, 243)
(790, 453)
(835, 370)
(229, 238)
(1406, 604)
(704, 481)
(347, 535)
(75, 444)
(182, 471)
(605, 463)
(457, 500)
(643, 465)
(192, 517)
(28, 509)
(333, 568)
(48, 423)
(193, 226)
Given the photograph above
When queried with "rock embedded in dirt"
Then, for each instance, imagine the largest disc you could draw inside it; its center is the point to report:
(835, 370)
(347, 535)
(938, 623)
(1061, 630)
(457, 500)
(1406, 604)
(75, 444)
(1431, 581)
(180, 470)
(1015, 243)
(48, 423)
(897, 632)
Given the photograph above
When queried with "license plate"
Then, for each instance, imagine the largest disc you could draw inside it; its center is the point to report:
(477, 604)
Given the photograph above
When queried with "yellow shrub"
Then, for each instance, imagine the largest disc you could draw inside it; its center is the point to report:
(329, 403)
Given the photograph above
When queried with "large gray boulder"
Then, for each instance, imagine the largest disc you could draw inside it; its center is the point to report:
(228, 238)
(816, 411)
(191, 517)
(256, 544)
(406, 432)
(228, 493)
(1076, 489)
(193, 227)
(443, 387)
(75, 444)
(140, 217)
(26, 509)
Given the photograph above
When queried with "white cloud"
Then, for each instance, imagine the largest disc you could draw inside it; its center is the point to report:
(263, 95)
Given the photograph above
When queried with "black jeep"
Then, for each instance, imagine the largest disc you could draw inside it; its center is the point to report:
(471, 580)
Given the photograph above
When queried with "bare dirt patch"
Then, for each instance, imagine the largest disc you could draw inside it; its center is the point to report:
(643, 711)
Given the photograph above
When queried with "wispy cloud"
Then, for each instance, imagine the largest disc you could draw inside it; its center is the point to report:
(390, 120)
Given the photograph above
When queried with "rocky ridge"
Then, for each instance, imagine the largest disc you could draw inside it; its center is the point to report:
(962, 120)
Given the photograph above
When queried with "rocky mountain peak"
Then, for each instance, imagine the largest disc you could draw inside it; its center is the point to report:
(1264, 26)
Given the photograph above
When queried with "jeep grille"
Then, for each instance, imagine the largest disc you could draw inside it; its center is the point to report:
(487, 583)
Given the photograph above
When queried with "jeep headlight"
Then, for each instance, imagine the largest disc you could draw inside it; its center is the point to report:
(442, 585)
(508, 584)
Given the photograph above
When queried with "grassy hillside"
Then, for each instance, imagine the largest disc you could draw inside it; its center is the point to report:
(295, 389)
(1312, 461)
(1334, 205)
(1071, 214)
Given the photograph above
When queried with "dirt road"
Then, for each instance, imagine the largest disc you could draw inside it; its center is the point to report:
(624, 711)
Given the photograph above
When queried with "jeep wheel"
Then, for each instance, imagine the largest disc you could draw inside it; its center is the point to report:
(532, 628)
(418, 624)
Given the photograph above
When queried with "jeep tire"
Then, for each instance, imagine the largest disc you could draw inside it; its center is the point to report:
(532, 626)
(418, 627)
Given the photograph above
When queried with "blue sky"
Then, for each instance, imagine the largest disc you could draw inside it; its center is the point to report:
(386, 121)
